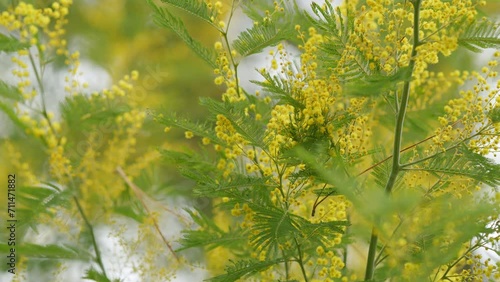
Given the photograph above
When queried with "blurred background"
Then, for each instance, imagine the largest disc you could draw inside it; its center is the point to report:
(117, 36)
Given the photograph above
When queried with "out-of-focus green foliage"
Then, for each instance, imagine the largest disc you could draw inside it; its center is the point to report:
(363, 155)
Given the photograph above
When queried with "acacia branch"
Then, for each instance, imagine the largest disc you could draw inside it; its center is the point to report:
(92, 236)
(140, 195)
(398, 136)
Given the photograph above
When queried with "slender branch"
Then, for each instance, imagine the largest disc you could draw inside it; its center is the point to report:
(372, 251)
(469, 250)
(398, 136)
(317, 202)
(378, 259)
(404, 150)
(44, 113)
(138, 192)
(404, 166)
(300, 261)
(42, 93)
(287, 274)
(226, 40)
(92, 235)
(389, 157)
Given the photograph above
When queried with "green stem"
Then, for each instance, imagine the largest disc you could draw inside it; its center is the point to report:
(301, 260)
(470, 250)
(286, 265)
(398, 136)
(42, 92)
(92, 235)
(226, 40)
(372, 251)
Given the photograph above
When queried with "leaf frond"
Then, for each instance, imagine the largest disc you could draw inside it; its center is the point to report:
(480, 35)
(164, 18)
(243, 268)
(254, 39)
(466, 163)
(10, 92)
(209, 235)
(203, 129)
(196, 8)
(11, 44)
(251, 130)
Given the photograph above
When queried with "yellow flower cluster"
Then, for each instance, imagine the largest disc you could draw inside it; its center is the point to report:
(101, 154)
(394, 21)
(226, 74)
(29, 20)
(19, 164)
(120, 89)
(320, 105)
(90, 165)
(433, 86)
(283, 118)
(383, 36)
(218, 6)
(435, 39)
(471, 111)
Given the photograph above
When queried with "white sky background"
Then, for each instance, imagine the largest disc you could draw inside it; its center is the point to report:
(98, 78)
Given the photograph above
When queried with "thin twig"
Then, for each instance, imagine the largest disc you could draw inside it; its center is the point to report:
(92, 235)
(405, 149)
(398, 136)
(389, 157)
(139, 194)
(301, 260)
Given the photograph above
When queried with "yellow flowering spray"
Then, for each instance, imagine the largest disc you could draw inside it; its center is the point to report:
(78, 167)
(365, 159)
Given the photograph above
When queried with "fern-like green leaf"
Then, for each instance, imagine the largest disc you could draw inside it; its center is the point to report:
(331, 20)
(209, 235)
(377, 84)
(57, 251)
(292, 15)
(273, 226)
(246, 126)
(237, 186)
(84, 115)
(8, 109)
(254, 39)
(189, 162)
(11, 44)
(38, 200)
(163, 17)
(356, 67)
(243, 268)
(477, 36)
(279, 88)
(10, 92)
(464, 162)
(202, 129)
(198, 8)
(95, 275)
(318, 233)
(339, 27)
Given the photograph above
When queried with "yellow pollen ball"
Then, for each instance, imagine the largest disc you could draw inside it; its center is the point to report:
(188, 134)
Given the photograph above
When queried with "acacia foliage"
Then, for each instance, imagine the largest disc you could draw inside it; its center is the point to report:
(321, 155)
(365, 143)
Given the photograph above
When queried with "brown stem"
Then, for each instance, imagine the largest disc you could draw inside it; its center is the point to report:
(139, 194)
